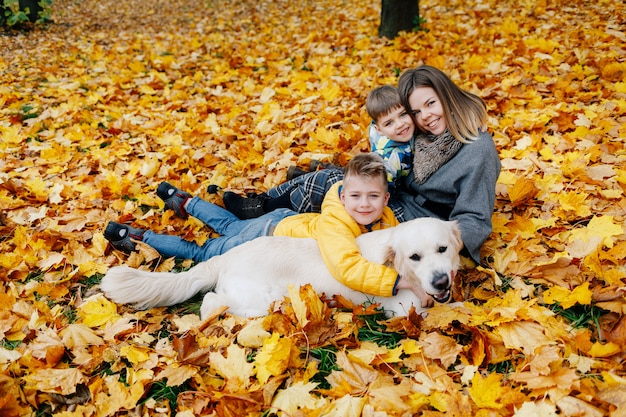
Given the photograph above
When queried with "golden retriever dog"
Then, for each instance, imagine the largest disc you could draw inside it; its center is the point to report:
(248, 278)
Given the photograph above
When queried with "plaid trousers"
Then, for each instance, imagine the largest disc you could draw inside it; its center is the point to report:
(307, 191)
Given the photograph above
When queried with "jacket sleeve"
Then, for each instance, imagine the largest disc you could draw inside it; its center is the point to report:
(337, 242)
(476, 195)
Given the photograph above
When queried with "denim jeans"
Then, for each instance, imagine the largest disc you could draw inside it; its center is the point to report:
(233, 231)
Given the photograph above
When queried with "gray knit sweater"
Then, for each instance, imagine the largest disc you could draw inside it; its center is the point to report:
(462, 189)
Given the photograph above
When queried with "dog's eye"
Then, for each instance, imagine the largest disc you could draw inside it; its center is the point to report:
(442, 249)
(415, 257)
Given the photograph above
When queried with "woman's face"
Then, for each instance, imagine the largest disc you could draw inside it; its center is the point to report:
(427, 110)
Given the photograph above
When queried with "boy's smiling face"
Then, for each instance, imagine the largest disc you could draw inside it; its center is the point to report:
(397, 125)
(364, 198)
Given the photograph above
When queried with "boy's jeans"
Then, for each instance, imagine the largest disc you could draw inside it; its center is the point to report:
(233, 231)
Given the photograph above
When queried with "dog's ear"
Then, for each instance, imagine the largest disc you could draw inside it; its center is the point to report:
(456, 235)
(390, 256)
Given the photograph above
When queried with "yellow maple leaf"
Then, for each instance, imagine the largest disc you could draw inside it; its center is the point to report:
(273, 357)
(38, 188)
(8, 261)
(390, 396)
(600, 226)
(562, 378)
(234, 367)
(354, 377)
(601, 230)
(614, 71)
(542, 409)
(306, 304)
(138, 375)
(253, 334)
(55, 381)
(444, 348)
(363, 43)
(97, 311)
(409, 346)
(487, 392)
(137, 66)
(346, 406)
(135, 354)
(523, 227)
(177, 374)
(368, 352)
(566, 298)
(523, 335)
(47, 346)
(439, 400)
(474, 62)
(298, 396)
(328, 137)
(417, 400)
(574, 201)
(544, 358)
(267, 94)
(331, 92)
(79, 335)
(604, 350)
(11, 135)
(118, 395)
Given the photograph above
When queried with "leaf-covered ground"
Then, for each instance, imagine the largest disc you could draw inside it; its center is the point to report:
(114, 97)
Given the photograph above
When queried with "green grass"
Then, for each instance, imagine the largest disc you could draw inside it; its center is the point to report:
(580, 316)
(160, 391)
(373, 331)
(327, 362)
(10, 344)
(504, 367)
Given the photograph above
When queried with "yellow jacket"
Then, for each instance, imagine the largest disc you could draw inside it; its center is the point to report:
(336, 233)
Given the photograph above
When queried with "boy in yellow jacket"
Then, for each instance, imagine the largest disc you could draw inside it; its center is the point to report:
(354, 206)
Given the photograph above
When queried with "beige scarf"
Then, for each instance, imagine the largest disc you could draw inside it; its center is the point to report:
(431, 152)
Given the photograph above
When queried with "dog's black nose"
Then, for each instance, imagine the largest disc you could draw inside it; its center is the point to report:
(441, 281)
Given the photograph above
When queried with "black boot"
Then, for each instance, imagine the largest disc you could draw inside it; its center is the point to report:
(245, 208)
(121, 236)
(294, 172)
(173, 198)
(316, 165)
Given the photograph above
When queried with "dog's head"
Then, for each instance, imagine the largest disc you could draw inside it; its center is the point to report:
(426, 252)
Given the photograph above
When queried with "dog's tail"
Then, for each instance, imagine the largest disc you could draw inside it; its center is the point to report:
(144, 289)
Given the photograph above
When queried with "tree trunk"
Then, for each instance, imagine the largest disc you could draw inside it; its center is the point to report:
(33, 8)
(398, 15)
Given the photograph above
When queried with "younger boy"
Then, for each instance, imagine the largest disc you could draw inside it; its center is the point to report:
(391, 131)
(390, 135)
(352, 207)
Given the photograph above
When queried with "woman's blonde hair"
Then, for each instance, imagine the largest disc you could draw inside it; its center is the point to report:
(465, 113)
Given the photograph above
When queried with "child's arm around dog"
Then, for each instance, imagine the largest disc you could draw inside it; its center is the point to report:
(352, 207)
(336, 235)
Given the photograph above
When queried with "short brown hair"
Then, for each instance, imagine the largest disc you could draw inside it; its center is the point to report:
(369, 165)
(381, 101)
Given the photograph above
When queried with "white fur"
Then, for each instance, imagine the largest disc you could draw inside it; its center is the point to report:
(251, 276)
